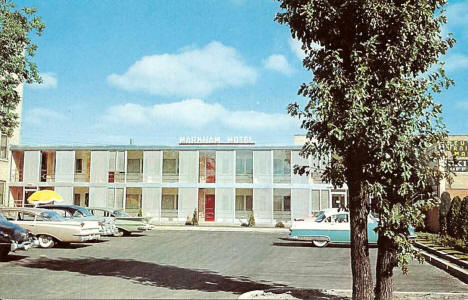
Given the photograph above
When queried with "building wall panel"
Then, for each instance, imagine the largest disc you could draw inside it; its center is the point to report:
(99, 167)
(188, 166)
(263, 205)
(262, 167)
(66, 192)
(152, 165)
(32, 166)
(188, 201)
(98, 196)
(224, 205)
(225, 167)
(151, 202)
(64, 166)
(300, 203)
(296, 159)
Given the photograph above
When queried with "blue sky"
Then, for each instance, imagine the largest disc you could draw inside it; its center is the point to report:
(157, 70)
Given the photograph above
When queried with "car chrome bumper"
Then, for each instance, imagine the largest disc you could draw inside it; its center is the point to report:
(22, 246)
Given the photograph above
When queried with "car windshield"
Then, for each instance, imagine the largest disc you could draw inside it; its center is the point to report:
(2, 217)
(52, 216)
(320, 217)
(120, 214)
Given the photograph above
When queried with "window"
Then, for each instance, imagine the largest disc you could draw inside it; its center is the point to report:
(2, 192)
(3, 146)
(76, 199)
(341, 218)
(132, 201)
(282, 200)
(169, 202)
(282, 162)
(79, 165)
(134, 165)
(170, 166)
(244, 202)
(244, 162)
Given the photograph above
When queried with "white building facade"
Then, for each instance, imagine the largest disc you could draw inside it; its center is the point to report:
(225, 184)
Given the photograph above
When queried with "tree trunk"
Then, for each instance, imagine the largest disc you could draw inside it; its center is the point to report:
(386, 261)
(360, 263)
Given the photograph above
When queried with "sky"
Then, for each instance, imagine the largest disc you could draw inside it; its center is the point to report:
(154, 71)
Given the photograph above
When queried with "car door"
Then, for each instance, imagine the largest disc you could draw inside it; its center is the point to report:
(340, 230)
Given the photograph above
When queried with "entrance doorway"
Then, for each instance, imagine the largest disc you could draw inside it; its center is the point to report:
(209, 207)
(338, 199)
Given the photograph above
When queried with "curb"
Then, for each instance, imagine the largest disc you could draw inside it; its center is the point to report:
(223, 229)
(443, 255)
(448, 267)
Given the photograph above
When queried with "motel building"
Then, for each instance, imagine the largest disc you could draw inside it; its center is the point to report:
(223, 181)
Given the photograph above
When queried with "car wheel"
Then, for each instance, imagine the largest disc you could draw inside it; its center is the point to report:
(320, 244)
(126, 233)
(46, 241)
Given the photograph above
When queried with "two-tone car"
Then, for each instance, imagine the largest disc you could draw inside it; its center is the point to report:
(13, 237)
(332, 226)
(51, 228)
(79, 213)
(125, 223)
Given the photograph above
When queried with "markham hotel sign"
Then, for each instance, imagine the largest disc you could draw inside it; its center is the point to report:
(459, 148)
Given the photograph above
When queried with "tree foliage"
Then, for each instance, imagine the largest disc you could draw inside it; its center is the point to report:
(443, 212)
(454, 219)
(464, 219)
(16, 67)
(371, 105)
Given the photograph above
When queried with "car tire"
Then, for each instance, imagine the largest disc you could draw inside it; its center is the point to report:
(46, 241)
(126, 233)
(320, 244)
(4, 252)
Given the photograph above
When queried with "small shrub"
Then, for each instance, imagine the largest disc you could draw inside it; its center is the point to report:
(443, 211)
(453, 216)
(140, 212)
(195, 218)
(251, 219)
(279, 224)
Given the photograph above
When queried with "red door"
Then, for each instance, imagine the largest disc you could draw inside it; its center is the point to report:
(209, 207)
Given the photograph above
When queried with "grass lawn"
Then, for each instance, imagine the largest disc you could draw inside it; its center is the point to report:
(431, 240)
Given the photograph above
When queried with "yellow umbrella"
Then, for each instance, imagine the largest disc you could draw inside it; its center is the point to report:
(44, 196)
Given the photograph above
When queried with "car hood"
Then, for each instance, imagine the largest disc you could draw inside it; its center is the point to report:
(15, 232)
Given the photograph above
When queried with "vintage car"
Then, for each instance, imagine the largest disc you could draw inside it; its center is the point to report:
(331, 226)
(13, 237)
(78, 213)
(50, 228)
(125, 223)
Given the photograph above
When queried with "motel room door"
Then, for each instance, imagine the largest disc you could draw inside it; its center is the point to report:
(209, 207)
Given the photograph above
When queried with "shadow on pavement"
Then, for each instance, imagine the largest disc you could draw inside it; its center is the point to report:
(12, 257)
(70, 246)
(166, 276)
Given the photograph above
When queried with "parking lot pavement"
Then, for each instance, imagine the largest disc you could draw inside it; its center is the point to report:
(193, 264)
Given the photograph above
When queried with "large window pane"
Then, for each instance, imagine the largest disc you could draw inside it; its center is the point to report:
(134, 166)
(3, 146)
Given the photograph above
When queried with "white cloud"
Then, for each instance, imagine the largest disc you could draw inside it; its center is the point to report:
(40, 116)
(296, 48)
(279, 63)
(197, 114)
(193, 72)
(455, 61)
(49, 80)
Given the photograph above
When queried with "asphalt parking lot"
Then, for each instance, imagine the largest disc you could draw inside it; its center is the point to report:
(193, 264)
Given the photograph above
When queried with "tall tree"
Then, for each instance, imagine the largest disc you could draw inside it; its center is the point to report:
(16, 50)
(371, 107)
